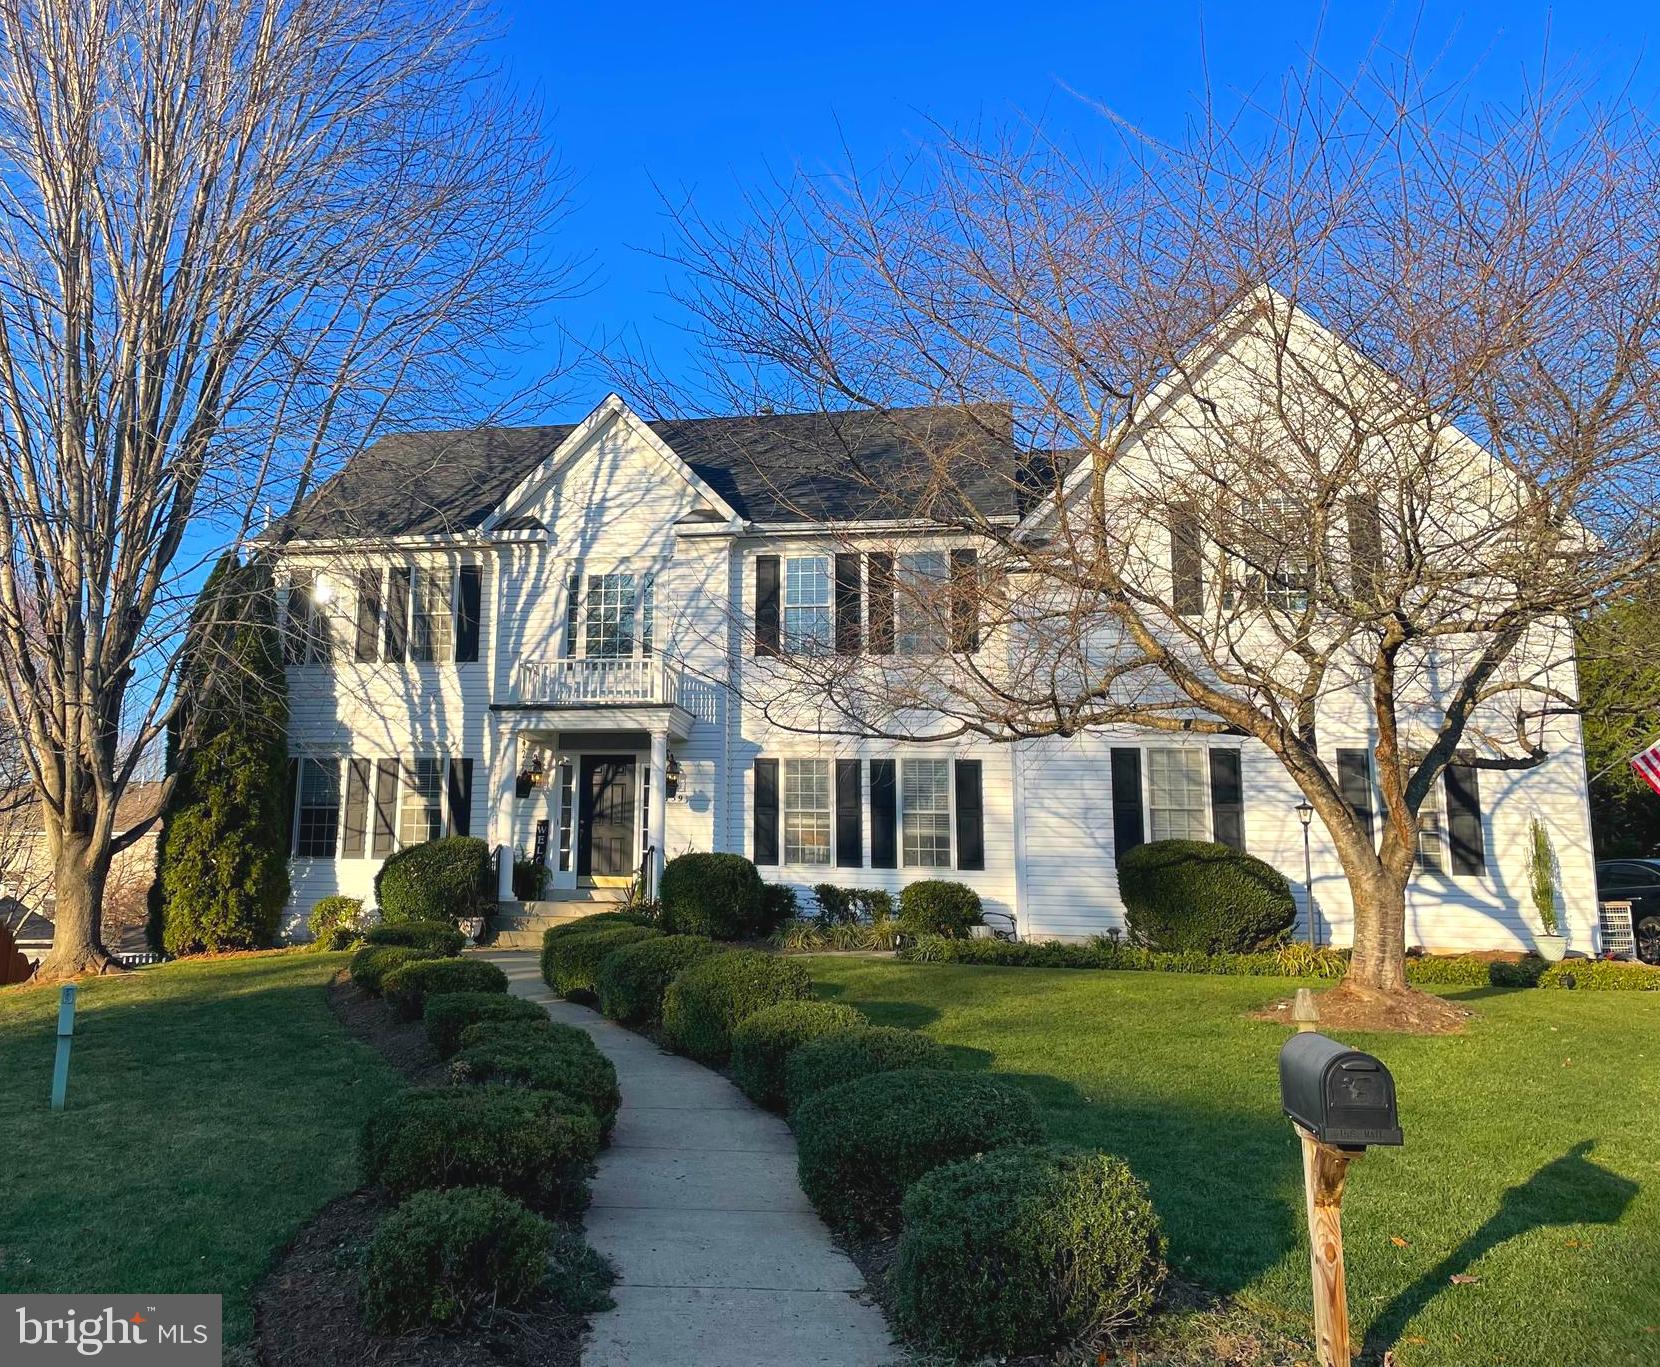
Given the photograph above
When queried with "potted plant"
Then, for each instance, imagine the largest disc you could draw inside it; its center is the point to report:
(1542, 883)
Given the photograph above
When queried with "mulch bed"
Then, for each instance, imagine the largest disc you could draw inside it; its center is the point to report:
(305, 1311)
(1346, 1007)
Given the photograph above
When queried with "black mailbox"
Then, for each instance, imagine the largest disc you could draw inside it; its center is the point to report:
(1339, 1095)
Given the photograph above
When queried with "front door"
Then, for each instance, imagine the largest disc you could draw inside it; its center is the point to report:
(606, 816)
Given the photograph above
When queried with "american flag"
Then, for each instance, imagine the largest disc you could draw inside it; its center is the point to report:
(1647, 766)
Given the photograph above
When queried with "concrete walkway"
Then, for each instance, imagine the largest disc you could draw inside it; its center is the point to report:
(720, 1260)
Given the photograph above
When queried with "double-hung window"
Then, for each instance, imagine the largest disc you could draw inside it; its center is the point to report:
(421, 813)
(1273, 541)
(924, 581)
(806, 811)
(318, 828)
(432, 617)
(925, 812)
(807, 629)
(1178, 794)
(1432, 847)
(610, 625)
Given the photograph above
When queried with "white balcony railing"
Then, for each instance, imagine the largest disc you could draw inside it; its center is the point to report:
(597, 681)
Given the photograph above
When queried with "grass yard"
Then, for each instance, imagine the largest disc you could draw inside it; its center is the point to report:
(1532, 1158)
(213, 1107)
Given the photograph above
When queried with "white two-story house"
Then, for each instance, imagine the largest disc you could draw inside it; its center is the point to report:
(557, 638)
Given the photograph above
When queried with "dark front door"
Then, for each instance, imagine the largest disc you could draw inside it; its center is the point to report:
(605, 834)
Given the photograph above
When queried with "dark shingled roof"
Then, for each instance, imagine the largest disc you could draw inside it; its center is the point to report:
(785, 467)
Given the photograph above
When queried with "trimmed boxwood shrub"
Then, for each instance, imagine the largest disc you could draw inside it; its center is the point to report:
(560, 1059)
(448, 1016)
(536, 1146)
(373, 962)
(849, 1054)
(442, 1254)
(333, 922)
(1600, 975)
(408, 987)
(718, 895)
(439, 880)
(1195, 895)
(1293, 960)
(938, 906)
(437, 937)
(1024, 1249)
(630, 981)
(570, 963)
(706, 1000)
(863, 1143)
(763, 1043)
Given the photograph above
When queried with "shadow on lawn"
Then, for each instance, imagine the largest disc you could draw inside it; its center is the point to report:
(1570, 1190)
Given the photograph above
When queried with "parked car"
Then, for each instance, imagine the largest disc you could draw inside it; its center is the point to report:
(1636, 881)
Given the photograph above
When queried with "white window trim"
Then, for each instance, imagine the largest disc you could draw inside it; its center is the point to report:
(406, 790)
(573, 629)
(417, 579)
(828, 811)
(807, 646)
(941, 644)
(952, 852)
(1147, 787)
(339, 762)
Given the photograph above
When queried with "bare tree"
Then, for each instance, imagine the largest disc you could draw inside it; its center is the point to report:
(1354, 394)
(238, 240)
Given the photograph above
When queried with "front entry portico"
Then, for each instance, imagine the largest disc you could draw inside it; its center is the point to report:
(585, 785)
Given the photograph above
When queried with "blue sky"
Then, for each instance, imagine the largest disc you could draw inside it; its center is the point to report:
(710, 99)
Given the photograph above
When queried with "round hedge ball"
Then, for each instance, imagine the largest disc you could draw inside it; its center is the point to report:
(863, 1143)
(1026, 1248)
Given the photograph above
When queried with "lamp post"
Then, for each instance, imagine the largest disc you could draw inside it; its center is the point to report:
(1305, 814)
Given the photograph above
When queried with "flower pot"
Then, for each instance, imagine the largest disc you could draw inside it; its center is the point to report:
(1551, 948)
(473, 927)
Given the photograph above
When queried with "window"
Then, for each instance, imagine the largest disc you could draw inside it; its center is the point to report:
(925, 812)
(923, 582)
(648, 611)
(806, 811)
(1432, 838)
(431, 618)
(1178, 794)
(318, 827)
(807, 604)
(314, 601)
(1273, 548)
(421, 814)
(567, 811)
(610, 605)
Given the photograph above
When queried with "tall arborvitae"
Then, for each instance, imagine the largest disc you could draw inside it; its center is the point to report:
(222, 857)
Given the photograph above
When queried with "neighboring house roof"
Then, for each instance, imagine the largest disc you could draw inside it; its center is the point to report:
(138, 803)
(774, 467)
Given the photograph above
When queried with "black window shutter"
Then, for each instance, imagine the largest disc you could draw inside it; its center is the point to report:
(355, 817)
(1187, 562)
(766, 613)
(1360, 511)
(879, 585)
(1465, 840)
(461, 797)
(1354, 782)
(847, 604)
(397, 615)
(766, 807)
(1227, 799)
(965, 599)
(884, 812)
(850, 836)
(298, 628)
(971, 820)
(1128, 827)
(386, 807)
(368, 615)
(469, 593)
(293, 796)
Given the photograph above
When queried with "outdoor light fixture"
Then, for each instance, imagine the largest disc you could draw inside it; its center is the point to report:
(1305, 814)
(671, 777)
(530, 777)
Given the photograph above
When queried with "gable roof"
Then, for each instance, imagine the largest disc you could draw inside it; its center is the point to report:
(771, 468)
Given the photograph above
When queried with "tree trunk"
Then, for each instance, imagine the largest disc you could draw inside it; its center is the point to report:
(78, 876)
(1379, 960)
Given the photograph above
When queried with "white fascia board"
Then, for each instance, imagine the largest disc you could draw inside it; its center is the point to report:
(917, 525)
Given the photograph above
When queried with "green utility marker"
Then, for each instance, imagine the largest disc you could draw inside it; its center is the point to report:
(66, 1030)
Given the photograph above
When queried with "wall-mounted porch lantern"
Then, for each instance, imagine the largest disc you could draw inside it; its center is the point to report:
(671, 777)
(530, 777)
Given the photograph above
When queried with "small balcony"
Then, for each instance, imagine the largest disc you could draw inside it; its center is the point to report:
(591, 682)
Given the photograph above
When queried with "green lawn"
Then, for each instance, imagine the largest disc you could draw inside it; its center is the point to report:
(213, 1107)
(1532, 1158)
